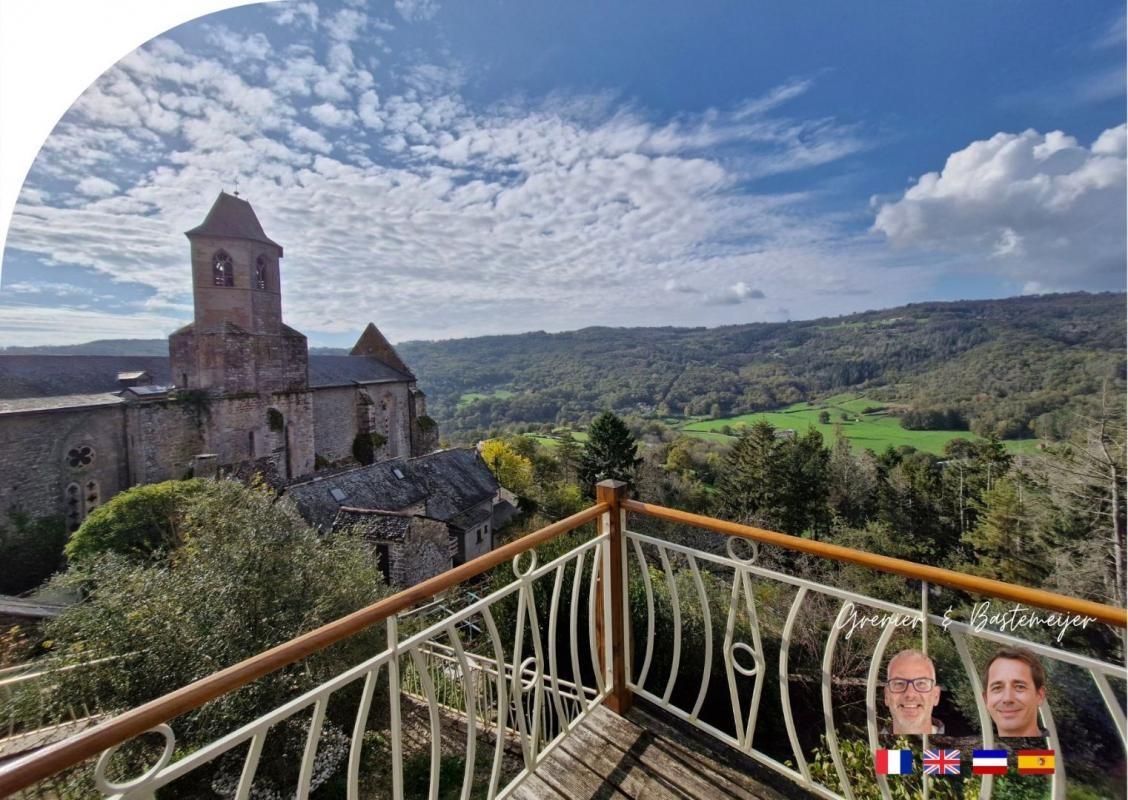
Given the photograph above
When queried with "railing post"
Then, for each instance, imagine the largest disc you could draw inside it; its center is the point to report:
(613, 493)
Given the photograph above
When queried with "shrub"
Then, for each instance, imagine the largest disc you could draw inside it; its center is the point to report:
(138, 523)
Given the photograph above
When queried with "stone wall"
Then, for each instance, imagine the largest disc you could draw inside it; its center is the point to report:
(424, 552)
(342, 412)
(63, 461)
(163, 436)
(334, 422)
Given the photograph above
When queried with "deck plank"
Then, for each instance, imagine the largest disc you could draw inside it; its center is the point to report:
(644, 756)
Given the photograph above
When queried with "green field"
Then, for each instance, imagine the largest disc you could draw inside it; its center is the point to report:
(470, 397)
(551, 442)
(876, 430)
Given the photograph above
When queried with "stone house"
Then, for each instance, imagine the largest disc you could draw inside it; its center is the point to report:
(452, 487)
(238, 386)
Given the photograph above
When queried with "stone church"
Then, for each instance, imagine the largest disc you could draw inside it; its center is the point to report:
(239, 389)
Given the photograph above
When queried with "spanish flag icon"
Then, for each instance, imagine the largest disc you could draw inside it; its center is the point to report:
(1035, 762)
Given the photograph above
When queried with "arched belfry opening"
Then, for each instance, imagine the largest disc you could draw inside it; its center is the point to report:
(223, 271)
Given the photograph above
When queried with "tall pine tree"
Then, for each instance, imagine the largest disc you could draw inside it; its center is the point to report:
(609, 452)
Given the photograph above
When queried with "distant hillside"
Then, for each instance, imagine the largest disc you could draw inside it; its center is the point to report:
(100, 347)
(997, 366)
(1015, 367)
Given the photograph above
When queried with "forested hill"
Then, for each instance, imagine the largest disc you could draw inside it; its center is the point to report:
(1014, 367)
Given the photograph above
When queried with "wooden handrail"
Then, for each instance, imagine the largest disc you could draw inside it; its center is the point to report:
(943, 577)
(55, 758)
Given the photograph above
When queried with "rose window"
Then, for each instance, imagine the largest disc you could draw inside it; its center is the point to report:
(79, 457)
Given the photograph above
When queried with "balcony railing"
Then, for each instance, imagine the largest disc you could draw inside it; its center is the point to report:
(720, 638)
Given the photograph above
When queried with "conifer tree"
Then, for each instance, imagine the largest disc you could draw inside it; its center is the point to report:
(1003, 543)
(568, 454)
(750, 479)
(609, 452)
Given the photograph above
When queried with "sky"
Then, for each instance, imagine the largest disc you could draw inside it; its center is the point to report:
(460, 169)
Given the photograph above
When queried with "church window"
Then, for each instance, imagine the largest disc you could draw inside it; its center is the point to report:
(260, 272)
(74, 507)
(80, 457)
(93, 496)
(223, 274)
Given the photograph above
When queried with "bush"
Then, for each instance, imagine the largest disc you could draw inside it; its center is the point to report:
(139, 523)
(250, 574)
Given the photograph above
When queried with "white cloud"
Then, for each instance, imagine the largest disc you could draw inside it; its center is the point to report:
(346, 25)
(255, 47)
(1036, 208)
(298, 14)
(412, 10)
(673, 285)
(369, 110)
(736, 294)
(57, 289)
(331, 116)
(96, 187)
(65, 325)
(306, 137)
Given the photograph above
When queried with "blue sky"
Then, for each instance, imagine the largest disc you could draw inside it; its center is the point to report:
(457, 169)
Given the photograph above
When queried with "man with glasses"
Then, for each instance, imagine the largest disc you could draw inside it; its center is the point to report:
(911, 692)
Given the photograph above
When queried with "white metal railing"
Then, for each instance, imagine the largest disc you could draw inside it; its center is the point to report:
(693, 578)
(518, 678)
(446, 673)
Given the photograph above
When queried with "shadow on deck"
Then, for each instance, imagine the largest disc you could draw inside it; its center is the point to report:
(646, 755)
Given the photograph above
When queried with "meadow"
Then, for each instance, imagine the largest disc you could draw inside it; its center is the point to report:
(470, 397)
(864, 422)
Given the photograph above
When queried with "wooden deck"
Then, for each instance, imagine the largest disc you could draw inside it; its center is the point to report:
(650, 757)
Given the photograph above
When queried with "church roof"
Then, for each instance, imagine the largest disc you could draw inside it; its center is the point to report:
(54, 376)
(347, 370)
(450, 482)
(232, 217)
(373, 343)
(24, 405)
(28, 376)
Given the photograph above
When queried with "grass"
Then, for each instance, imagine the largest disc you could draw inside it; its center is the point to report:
(876, 430)
(551, 442)
(470, 397)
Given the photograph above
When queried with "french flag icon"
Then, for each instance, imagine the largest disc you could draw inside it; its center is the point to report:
(893, 762)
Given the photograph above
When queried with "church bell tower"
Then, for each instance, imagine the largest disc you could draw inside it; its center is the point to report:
(237, 342)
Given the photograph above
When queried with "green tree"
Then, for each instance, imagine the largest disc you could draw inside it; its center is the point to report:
(138, 523)
(568, 454)
(824, 417)
(609, 452)
(250, 574)
(1003, 542)
(512, 470)
(751, 480)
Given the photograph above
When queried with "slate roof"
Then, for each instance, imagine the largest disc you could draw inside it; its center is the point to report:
(450, 481)
(59, 403)
(23, 376)
(472, 518)
(457, 479)
(233, 218)
(374, 487)
(347, 370)
(55, 376)
(378, 525)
